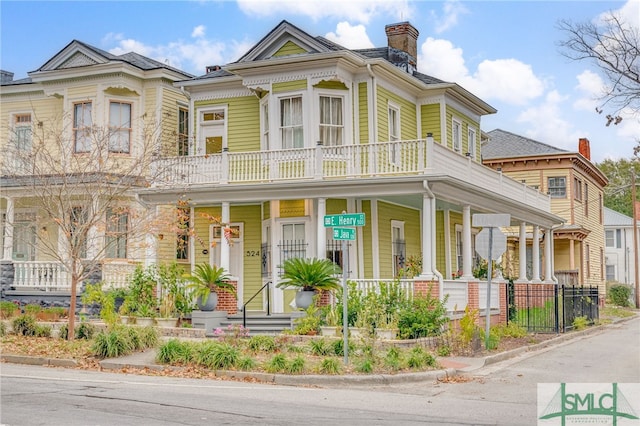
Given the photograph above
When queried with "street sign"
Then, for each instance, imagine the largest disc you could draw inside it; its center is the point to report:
(485, 220)
(497, 248)
(348, 219)
(344, 233)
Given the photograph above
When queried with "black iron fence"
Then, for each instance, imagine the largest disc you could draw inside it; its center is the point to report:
(550, 308)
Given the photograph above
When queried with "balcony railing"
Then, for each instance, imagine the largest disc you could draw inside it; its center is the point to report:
(401, 158)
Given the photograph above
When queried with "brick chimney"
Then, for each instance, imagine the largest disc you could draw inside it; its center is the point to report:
(583, 148)
(402, 41)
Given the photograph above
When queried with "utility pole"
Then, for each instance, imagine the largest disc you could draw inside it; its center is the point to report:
(635, 238)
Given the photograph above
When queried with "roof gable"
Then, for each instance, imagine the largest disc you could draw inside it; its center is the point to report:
(286, 40)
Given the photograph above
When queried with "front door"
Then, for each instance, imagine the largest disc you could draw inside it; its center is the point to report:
(235, 253)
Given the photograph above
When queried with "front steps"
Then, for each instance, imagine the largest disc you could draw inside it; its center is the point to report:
(261, 323)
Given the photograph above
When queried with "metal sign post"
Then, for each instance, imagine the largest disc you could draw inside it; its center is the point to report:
(345, 309)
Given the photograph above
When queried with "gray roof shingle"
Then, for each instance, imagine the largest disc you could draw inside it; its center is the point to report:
(503, 144)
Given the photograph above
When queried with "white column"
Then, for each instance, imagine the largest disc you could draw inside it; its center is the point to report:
(8, 230)
(428, 238)
(321, 233)
(535, 255)
(277, 294)
(467, 255)
(522, 278)
(224, 243)
(548, 242)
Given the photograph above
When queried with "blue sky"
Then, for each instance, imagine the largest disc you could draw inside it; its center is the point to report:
(505, 52)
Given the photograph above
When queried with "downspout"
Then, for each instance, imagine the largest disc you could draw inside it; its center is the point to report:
(434, 270)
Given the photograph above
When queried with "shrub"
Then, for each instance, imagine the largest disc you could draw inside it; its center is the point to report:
(296, 366)
(32, 309)
(580, 323)
(393, 359)
(8, 309)
(148, 337)
(419, 358)
(330, 366)
(424, 316)
(173, 352)
(277, 363)
(42, 330)
(321, 347)
(262, 343)
(225, 356)
(310, 323)
(619, 295)
(246, 363)
(365, 365)
(3, 329)
(510, 330)
(24, 325)
(85, 330)
(110, 344)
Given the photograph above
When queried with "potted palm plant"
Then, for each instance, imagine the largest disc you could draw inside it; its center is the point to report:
(309, 276)
(205, 281)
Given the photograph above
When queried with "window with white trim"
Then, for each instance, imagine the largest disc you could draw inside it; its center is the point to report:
(577, 189)
(264, 123)
(116, 233)
(82, 122)
(471, 141)
(609, 238)
(398, 247)
(331, 120)
(557, 186)
(394, 133)
(183, 131)
(456, 135)
(611, 272)
(22, 131)
(291, 122)
(24, 236)
(119, 127)
(212, 130)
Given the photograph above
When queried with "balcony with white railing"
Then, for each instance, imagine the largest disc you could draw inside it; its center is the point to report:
(401, 158)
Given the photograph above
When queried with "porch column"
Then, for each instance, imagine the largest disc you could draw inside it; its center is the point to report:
(572, 255)
(535, 255)
(321, 234)
(8, 230)
(224, 242)
(548, 241)
(277, 294)
(522, 253)
(467, 255)
(428, 237)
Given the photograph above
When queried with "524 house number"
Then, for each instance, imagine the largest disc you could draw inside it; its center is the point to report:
(252, 253)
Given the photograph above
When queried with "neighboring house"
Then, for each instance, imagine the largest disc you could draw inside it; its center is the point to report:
(79, 94)
(300, 128)
(619, 252)
(575, 186)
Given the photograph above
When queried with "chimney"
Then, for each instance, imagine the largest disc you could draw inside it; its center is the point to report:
(212, 68)
(402, 41)
(6, 76)
(583, 148)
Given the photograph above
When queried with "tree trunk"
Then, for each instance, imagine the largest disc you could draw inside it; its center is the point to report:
(72, 308)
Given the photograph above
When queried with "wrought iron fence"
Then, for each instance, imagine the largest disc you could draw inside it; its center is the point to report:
(579, 301)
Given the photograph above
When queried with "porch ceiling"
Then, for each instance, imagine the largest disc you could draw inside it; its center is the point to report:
(405, 190)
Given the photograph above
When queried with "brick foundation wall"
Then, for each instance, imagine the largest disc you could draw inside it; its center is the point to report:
(227, 302)
(422, 288)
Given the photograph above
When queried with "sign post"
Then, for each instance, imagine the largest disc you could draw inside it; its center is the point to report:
(490, 244)
(339, 223)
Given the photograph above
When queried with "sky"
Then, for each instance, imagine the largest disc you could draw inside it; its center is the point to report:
(505, 52)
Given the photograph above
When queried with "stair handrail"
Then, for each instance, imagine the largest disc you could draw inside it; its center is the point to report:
(244, 307)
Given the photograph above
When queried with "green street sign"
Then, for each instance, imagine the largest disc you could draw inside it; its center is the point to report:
(344, 233)
(351, 219)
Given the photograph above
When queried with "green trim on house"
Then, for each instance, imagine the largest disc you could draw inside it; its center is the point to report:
(363, 112)
(289, 48)
(408, 124)
(430, 121)
(289, 86)
(367, 256)
(332, 85)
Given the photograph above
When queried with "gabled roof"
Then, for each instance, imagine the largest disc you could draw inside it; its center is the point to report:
(614, 218)
(503, 144)
(80, 54)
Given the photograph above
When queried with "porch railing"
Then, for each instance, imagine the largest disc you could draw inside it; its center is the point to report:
(482, 295)
(458, 295)
(53, 276)
(410, 157)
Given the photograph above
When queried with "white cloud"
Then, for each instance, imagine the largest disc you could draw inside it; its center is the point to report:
(351, 37)
(507, 80)
(198, 31)
(361, 11)
(451, 10)
(547, 123)
(193, 56)
(589, 87)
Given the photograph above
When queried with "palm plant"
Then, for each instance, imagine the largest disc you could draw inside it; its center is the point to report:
(207, 278)
(310, 274)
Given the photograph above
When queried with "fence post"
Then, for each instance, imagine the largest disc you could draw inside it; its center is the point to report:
(555, 289)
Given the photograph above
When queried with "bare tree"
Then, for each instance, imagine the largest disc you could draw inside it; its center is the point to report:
(82, 181)
(613, 46)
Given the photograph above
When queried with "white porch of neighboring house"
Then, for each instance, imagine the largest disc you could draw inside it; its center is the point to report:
(425, 176)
